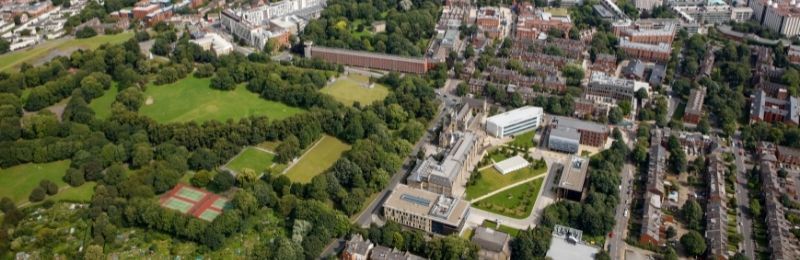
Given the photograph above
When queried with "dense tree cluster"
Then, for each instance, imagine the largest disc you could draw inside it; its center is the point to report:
(347, 24)
(394, 236)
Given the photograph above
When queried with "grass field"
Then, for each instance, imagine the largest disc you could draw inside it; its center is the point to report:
(516, 202)
(251, 158)
(19, 181)
(102, 104)
(81, 193)
(349, 89)
(191, 99)
(492, 180)
(502, 228)
(317, 160)
(12, 60)
(524, 139)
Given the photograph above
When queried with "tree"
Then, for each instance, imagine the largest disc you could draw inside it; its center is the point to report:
(201, 179)
(694, 243)
(602, 255)
(37, 195)
(462, 89)
(161, 47)
(270, 46)
(85, 32)
(530, 244)
(755, 208)
(703, 125)
(671, 232)
(287, 150)
(245, 201)
(6, 205)
(94, 252)
(670, 254)
(615, 115)
(739, 256)
(641, 94)
(692, 213)
(5, 46)
(412, 131)
(223, 81)
(142, 154)
(203, 158)
(574, 75)
(469, 52)
(222, 181)
(49, 187)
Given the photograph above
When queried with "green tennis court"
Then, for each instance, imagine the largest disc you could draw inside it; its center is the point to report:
(179, 205)
(191, 194)
(209, 215)
(220, 203)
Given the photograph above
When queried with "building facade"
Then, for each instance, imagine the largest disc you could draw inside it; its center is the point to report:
(515, 121)
(425, 210)
(369, 60)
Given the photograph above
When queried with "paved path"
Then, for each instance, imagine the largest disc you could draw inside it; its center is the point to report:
(508, 187)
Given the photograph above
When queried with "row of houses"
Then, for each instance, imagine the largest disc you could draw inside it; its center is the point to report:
(782, 243)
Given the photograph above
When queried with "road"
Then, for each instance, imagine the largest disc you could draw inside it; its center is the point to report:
(616, 244)
(364, 218)
(743, 203)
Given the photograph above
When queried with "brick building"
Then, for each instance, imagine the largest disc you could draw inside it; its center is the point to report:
(141, 11)
(650, 31)
(531, 22)
(694, 109)
(772, 109)
(606, 63)
(591, 133)
(650, 52)
(369, 60)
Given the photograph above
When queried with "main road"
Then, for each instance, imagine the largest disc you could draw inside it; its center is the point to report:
(616, 243)
(743, 200)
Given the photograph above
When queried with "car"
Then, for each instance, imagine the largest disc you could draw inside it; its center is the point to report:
(625, 214)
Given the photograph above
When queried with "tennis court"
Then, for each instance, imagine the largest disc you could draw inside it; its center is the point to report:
(191, 194)
(220, 203)
(209, 215)
(178, 204)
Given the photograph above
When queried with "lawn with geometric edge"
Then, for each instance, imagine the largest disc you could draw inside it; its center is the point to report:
(251, 158)
(491, 180)
(352, 88)
(515, 202)
(315, 161)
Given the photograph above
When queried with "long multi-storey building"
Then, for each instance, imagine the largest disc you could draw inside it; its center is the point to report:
(515, 121)
(605, 88)
(258, 25)
(650, 52)
(590, 133)
(442, 177)
(369, 59)
(716, 209)
(425, 210)
(714, 12)
(649, 31)
(694, 108)
(770, 109)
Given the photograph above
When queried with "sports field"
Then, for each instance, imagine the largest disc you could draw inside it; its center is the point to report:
(177, 204)
(251, 158)
(102, 104)
(12, 60)
(354, 87)
(315, 161)
(191, 99)
(516, 202)
(20, 180)
(193, 201)
(492, 180)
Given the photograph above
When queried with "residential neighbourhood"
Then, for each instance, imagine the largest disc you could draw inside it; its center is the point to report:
(383, 129)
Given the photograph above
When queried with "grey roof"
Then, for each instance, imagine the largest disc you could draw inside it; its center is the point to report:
(560, 248)
(385, 253)
(565, 134)
(657, 74)
(569, 122)
(446, 172)
(634, 68)
(357, 245)
(574, 173)
(695, 104)
(427, 204)
(490, 239)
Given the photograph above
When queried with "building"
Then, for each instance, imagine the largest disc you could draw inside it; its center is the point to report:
(605, 88)
(511, 164)
(694, 108)
(606, 63)
(652, 216)
(567, 243)
(591, 133)
(782, 243)
(425, 210)
(274, 21)
(657, 167)
(256, 35)
(648, 31)
(634, 70)
(141, 12)
(357, 248)
(793, 55)
(770, 109)
(493, 244)
(781, 16)
(441, 177)
(647, 4)
(215, 43)
(493, 22)
(369, 59)
(716, 210)
(567, 140)
(531, 22)
(652, 221)
(572, 181)
(713, 12)
(788, 155)
(649, 52)
(515, 121)
(385, 253)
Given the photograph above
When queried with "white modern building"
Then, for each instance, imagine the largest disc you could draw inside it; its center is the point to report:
(782, 16)
(215, 43)
(511, 164)
(514, 121)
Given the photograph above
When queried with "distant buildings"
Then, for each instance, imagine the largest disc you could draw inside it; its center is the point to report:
(369, 59)
(782, 108)
(647, 4)
(359, 249)
(781, 16)
(647, 39)
(650, 52)
(515, 121)
(532, 22)
(714, 12)
(694, 108)
(605, 88)
(572, 181)
(493, 244)
(425, 210)
(493, 22)
(274, 21)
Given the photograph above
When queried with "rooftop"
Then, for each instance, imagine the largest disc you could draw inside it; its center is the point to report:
(516, 115)
(695, 104)
(568, 122)
(490, 239)
(574, 174)
(562, 247)
(661, 47)
(428, 204)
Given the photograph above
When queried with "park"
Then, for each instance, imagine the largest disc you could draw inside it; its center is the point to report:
(356, 88)
(318, 158)
(63, 46)
(21, 178)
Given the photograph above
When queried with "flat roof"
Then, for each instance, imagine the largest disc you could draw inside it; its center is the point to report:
(516, 115)
(573, 176)
(562, 121)
(566, 133)
(427, 204)
(560, 248)
(511, 163)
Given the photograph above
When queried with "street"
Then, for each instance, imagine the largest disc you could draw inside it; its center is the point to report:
(743, 202)
(616, 243)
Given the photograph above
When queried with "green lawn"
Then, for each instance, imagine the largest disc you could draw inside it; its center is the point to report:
(679, 111)
(102, 104)
(516, 202)
(11, 60)
(191, 99)
(251, 158)
(351, 88)
(317, 160)
(81, 193)
(502, 228)
(491, 180)
(20, 180)
(524, 139)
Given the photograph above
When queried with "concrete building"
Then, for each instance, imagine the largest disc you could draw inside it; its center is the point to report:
(493, 244)
(274, 21)
(515, 121)
(647, 4)
(441, 177)
(369, 59)
(215, 43)
(572, 181)
(511, 164)
(357, 248)
(567, 140)
(567, 243)
(592, 134)
(781, 16)
(694, 108)
(649, 31)
(770, 109)
(531, 22)
(425, 210)
(605, 88)
(714, 12)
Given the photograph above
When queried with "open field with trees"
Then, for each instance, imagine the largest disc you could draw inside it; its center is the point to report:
(354, 88)
(251, 158)
(191, 99)
(490, 179)
(12, 60)
(315, 161)
(102, 105)
(516, 202)
(18, 181)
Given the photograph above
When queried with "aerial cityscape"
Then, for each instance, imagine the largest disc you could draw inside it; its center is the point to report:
(400, 129)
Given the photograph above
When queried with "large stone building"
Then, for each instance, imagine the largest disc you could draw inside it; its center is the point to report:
(425, 210)
(442, 177)
(608, 89)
